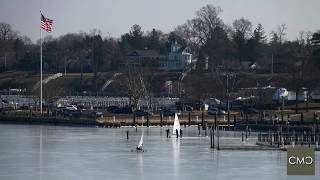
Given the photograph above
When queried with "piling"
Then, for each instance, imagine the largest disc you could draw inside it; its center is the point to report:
(212, 129)
(228, 120)
(205, 131)
(215, 121)
(309, 139)
(314, 133)
(177, 133)
(127, 134)
(234, 122)
(161, 119)
(211, 142)
(242, 137)
(134, 118)
(218, 138)
(189, 118)
(278, 138)
(246, 119)
(148, 120)
(270, 137)
(301, 118)
(246, 132)
(202, 120)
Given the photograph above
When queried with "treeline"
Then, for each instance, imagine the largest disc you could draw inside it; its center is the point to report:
(78, 52)
(206, 34)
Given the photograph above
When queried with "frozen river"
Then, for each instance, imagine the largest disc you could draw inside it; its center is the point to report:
(75, 153)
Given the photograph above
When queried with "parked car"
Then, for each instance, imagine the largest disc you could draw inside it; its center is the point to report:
(113, 109)
(188, 108)
(167, 112)
(216, 111)
(71, 107)
(123, 110)
(139, 113)
(72, 113)
(97, 114)
(250, 111)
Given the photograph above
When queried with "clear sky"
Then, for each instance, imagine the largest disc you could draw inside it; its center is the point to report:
(115, 17)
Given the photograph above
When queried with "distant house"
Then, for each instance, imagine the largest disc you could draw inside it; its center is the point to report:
(144, 57)
(178, 58)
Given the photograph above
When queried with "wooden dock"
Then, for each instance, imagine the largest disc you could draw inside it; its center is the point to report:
(248, 148)
(48, 121)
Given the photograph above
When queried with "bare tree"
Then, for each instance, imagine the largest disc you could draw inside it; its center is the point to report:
(135, 84)
(7, 37)
(51, 92)
(199, 29)
(6, 32)
(242, 30)
(281, 32)
(242, 27)
(304, 38)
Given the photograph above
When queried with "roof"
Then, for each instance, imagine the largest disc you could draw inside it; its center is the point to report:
(145, 53)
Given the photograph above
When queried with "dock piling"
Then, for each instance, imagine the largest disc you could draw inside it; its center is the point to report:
(161, 119)
(189, 118)
(242, 137)
(127, 134)
(211, 144)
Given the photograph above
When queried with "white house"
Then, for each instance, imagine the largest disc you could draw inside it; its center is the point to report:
(179, 58)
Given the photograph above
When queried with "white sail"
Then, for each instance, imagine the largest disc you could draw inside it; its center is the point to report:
(141, 141)
(176, 125)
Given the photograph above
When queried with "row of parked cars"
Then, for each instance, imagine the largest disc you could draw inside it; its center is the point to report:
(221, 111)
(73, 111)
(138, 113)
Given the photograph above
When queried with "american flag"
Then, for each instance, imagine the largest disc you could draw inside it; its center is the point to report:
(46, 23)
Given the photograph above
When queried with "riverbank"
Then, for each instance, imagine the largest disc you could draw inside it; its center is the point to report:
(59, 121)
(119, 121)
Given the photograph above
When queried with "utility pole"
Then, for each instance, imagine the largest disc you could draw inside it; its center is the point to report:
(272, 63)
(65, 66)
(228, 105)
(5, 61)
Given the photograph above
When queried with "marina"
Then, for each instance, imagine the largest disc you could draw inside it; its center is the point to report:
(56, 152)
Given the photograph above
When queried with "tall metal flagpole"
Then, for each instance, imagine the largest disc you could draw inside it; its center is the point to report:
(40, 67)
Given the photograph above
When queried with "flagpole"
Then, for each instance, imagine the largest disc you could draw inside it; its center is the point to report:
(40, 69)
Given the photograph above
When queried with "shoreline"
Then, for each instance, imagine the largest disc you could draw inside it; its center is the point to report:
(93, 122)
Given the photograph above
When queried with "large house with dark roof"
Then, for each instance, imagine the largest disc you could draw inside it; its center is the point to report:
(177, 59)
(145, 57)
